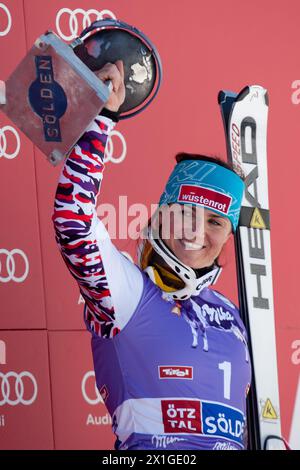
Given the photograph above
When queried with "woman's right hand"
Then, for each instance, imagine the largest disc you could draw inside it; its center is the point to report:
(115, 73)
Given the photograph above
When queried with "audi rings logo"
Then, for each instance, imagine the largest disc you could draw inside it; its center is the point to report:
(115, 140)
(11, 257)
(74, 21)
(13, 386)
(8, 20)
(89, 389)
(6, 143)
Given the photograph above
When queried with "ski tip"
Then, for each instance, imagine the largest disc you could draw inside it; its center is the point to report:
(243, 93)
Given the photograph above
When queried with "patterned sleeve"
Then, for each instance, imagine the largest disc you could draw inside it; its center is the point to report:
(111, 294)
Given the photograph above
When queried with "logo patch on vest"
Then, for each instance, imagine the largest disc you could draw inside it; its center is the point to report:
(181, 416)
(203, 417)
(175, 372)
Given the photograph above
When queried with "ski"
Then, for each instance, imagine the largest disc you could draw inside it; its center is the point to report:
(245, 118)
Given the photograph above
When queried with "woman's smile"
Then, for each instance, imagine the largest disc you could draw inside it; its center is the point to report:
(197, 235)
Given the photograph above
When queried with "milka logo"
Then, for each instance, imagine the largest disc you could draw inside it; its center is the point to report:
(164, 441)
(201, 318)
(216, 315)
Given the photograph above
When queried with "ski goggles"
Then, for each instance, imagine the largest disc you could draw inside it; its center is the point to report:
(206, 184)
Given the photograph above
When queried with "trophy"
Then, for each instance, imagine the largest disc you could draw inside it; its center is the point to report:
(54, 93)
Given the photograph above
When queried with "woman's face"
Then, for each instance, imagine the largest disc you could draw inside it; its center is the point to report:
(196, 235)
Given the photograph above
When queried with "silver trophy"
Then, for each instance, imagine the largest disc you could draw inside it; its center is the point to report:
(54, 94)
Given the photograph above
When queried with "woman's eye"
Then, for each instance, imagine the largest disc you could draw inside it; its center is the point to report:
(214, 222)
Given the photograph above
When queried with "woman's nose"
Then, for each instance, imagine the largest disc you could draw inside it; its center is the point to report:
(195, 233)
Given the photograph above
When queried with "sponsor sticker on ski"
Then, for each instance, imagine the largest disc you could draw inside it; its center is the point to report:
(268, 411)
(257, 220)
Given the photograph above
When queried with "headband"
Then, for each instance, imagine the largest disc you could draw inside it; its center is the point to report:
(205, 184)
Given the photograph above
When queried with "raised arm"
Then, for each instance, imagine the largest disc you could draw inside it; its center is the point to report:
(110, 284)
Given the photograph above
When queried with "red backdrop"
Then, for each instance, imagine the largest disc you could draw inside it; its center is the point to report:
(204, 47)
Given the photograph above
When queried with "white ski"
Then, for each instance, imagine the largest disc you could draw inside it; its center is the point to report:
(245, 121)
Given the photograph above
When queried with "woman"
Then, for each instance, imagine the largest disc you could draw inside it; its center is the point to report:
(170, 354)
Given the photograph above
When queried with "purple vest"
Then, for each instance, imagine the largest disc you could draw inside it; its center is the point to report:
(177, 375)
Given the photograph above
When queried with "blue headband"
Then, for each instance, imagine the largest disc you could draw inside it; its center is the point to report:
(206, 184)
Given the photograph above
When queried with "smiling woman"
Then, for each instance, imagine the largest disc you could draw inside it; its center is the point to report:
(197, 214)
(170, 354)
